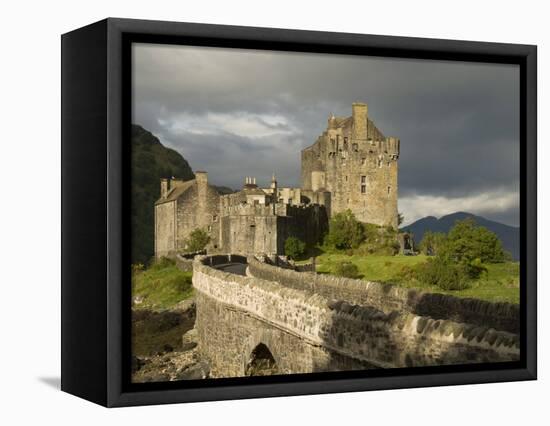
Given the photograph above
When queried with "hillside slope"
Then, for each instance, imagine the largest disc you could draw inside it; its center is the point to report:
(509, 235)
(150, 161)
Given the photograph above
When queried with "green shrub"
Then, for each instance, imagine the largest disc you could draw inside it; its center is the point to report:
(197, 241)
(381, 241)
(346, 269)
(475, 268)
(444, 274)
(294, 247)
(137, 267)
(432, 243)
(345, 231)
(163, 262)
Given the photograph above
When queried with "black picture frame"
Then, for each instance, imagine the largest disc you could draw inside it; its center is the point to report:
(96, 115)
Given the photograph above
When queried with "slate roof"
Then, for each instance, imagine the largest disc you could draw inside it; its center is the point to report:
(176, 192)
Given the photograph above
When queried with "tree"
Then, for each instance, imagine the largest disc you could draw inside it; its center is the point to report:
(467, 241)
(432, 242)
(294, 247)
(197, 241)
(345, 231)
(400, 219)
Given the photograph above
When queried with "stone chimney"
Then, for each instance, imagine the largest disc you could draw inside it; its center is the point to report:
(164, 185)
(202, 180)
(359, 113)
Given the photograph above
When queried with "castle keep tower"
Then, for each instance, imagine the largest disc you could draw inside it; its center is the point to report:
(357, 164)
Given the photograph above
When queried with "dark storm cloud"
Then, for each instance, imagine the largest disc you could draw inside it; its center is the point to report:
(236, 113)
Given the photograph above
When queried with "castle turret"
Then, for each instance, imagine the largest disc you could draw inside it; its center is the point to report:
(273, 184)
(331, 122)
(354, 162)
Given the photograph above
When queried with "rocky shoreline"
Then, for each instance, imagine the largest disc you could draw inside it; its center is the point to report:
(165, 345)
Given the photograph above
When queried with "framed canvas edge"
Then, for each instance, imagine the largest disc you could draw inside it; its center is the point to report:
(116, 28)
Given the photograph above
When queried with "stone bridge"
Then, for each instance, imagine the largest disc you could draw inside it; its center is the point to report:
(275, 320)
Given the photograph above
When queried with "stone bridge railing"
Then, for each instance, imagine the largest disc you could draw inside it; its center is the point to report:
(388, 298)
(391, 338)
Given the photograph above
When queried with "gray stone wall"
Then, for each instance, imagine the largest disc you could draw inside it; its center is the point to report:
(165, 229)
(263, 228)
(388, 298)
(197, 208)
(184, 264)
(306, 332)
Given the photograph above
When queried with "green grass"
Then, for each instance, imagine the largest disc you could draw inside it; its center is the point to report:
(161, 286)
(499, 284)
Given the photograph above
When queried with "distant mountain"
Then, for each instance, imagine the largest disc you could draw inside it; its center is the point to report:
(150, 161)
(509, 235)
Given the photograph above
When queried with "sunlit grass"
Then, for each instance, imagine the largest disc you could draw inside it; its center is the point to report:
(161, 286)
(499, 284)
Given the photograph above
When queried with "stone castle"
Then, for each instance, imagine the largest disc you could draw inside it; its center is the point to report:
(352, 165)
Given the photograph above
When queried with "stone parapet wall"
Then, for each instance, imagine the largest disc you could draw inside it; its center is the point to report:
(363, 333)
(388, 298)
(183, 264)
(408, 340)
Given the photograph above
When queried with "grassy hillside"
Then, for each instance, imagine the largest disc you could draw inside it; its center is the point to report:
(161, 286)
(500, 284)
(150, 162)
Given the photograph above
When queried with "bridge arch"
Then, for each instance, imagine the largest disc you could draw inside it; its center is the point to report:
(261, 362)
(259, 346)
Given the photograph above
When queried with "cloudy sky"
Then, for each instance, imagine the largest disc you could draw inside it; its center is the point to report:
(237, 113)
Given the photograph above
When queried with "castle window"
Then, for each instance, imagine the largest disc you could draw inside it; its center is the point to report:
(363, 161)
(355, 147)
(363, 184)
(389, 190)
(214, 218)
(346, 178)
